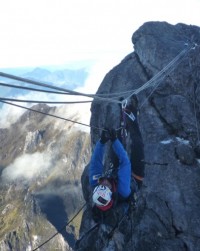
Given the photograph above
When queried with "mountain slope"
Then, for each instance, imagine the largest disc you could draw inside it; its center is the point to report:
(41, 162)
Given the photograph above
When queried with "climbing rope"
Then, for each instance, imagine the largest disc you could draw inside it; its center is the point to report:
(152, 82)
(149, 83)
(51, 115)
(86, 233)
(67, 91)
(195, 112)
(117, 225)
(44, 102)
(112, 95)
(194, 104)
(111, 232)
(61, 229)
(32, 89)
(161, 79)
(165, 71)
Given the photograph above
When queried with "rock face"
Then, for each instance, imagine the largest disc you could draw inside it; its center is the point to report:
(167, 215)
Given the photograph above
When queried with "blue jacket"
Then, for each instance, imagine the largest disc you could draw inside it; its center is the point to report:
(124, 170)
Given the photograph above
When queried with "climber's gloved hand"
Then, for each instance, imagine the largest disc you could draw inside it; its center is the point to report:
(105, 136)
(113, 135)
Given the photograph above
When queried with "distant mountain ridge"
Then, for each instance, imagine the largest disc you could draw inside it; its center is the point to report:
(67, 78)
(70, 78)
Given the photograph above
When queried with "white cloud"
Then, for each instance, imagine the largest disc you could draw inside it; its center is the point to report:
(79, 112)
(9, 115)
(58, 32)
(98, 71)
(54, 32)
(27, 166)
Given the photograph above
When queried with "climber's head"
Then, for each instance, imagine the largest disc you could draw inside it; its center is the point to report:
(102, 197)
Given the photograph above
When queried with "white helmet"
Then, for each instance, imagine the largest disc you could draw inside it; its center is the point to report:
(102, 195)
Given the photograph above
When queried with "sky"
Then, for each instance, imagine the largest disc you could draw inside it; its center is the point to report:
(78, 33)
(56, 32)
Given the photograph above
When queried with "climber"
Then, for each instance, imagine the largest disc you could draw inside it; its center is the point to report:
(106, 188)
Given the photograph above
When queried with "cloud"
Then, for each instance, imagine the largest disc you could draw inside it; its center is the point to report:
(95, 77)
(9, 115)
(27, 167)
(62, 32)
(67, 33)
(96, 73)
(75, 112)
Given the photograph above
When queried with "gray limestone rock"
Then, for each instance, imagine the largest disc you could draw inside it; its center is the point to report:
(167, 216)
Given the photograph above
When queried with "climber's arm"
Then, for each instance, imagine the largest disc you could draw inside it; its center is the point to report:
(124, 172)
(96, 165)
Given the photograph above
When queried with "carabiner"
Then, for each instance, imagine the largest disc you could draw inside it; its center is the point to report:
(124, 103)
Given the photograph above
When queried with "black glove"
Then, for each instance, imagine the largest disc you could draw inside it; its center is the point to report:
(104, 136)
(113, 135)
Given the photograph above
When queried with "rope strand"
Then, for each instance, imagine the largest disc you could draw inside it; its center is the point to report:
(60, 230)
(149, 83)
(51, 115)
(154, 82)
(155, 78)
(32, 89)
(34, 82)
(44, 102)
